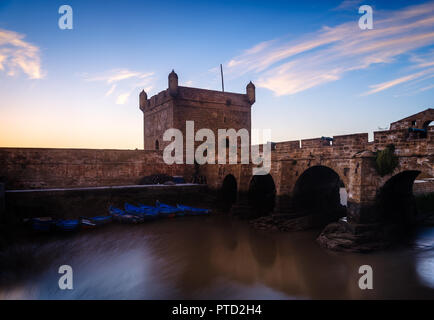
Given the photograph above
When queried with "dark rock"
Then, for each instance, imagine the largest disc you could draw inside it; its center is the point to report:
(296, 222)
(339, 237)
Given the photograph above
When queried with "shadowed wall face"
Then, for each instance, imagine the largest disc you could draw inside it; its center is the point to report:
(396, 201)
(262, 193)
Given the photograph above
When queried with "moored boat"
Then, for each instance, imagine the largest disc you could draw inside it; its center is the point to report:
(146, 207)
(43, 224)
(166, 210)
(68, 225)
(101, 220)
(123, 217)
(86, 223)
(193, 211)
(145, 212)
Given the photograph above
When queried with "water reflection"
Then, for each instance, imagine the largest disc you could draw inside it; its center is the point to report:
(424, 240)
(425, 269)
(207, 258)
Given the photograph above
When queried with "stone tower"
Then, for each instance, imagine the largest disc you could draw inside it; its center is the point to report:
(210, 109)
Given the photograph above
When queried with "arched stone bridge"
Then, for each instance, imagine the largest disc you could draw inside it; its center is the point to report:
(311, 176)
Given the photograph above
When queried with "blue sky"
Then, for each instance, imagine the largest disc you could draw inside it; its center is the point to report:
(316, 72)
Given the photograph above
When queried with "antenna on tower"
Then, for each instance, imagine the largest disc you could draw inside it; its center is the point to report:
(223, 83)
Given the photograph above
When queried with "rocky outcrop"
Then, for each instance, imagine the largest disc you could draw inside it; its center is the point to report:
(300, 222)
(352, 237)
(340, 236)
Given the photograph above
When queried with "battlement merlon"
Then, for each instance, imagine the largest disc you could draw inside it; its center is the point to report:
(176, 92)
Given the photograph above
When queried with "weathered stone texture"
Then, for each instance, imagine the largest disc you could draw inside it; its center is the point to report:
(23, 168)
(419, 120)
(208, 109)
(422, 188)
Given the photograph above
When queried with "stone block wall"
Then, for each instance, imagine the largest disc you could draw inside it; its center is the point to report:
(209, 109)
(423, 187)
(22, 168)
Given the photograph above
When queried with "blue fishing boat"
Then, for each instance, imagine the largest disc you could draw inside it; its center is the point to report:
(86, 223)
(93, 222)
(150, 212)
(131, 209)
(68, 225)
(43, 224)
(145, 212)
(101, 220)
(193, 211)
(146, 207)
(123, 217)
(167, 210)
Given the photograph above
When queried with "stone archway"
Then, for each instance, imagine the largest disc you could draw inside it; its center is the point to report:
(317, 193)
(262, 194)
(395, 200)
(317, 188)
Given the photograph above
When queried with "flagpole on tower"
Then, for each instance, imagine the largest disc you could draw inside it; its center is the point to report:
(221, 72)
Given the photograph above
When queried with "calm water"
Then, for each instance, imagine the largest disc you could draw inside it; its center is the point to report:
(209, 258)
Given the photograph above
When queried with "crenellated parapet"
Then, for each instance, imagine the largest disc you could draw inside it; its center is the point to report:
(211, 109)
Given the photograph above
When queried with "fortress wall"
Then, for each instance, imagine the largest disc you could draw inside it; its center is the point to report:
(423, 187)
(34, 168)
(390, 136)
(287, 146)
(157, 119)
(351, 139)
(312, 143)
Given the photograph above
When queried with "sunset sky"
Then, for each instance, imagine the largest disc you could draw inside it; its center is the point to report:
(316, 72)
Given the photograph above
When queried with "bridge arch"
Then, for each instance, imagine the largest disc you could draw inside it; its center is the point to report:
(428, 123)
(262, 194)
(228, 192)
(318, 191)
(395, 199)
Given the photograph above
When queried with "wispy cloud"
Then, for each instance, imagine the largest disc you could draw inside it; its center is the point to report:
(424, 60)
(122, 82)
(112, 88)
(118, 75)
(291, 66)
(18, 55)
(426, 88)
(349, 5)
(389, 84)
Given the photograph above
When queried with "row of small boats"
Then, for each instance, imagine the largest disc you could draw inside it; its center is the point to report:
(130, 214)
